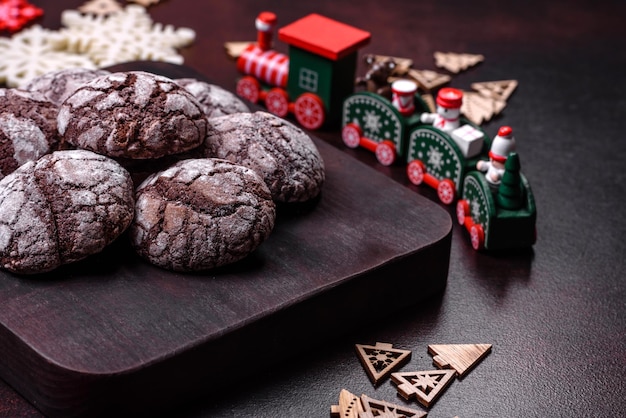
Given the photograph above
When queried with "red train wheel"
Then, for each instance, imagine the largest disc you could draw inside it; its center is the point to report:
(248, 88)
(415, 170)
(386, 152)
(277, 102)
(309, 111)
(462, 210)
(477, 235)
(351, 135)
(446, 191)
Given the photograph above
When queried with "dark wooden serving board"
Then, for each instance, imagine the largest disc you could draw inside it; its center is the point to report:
(113, 333)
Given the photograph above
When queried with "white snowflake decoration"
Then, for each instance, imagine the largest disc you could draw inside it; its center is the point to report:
(128, 35)
(90, 41)
(29, 54)
(435, 157)
(372, 122)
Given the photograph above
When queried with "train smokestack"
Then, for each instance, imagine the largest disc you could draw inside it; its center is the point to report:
(265, 23)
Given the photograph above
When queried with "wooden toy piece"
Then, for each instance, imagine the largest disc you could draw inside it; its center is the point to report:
(428, 80)
(497, 90)
(430, 102)
(449, 102)
(479, 108)
(376, 79)
(374, 408)
(425, 386)
(310, 82)
(381, 360)
(100, 7)
(511, 191)
(455, 62)
(460, 357)
(235, 49)
(349, 406)
(402, 64)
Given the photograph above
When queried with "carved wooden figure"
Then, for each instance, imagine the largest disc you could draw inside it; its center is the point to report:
(425, 386)
(381, 360)
(459, 357)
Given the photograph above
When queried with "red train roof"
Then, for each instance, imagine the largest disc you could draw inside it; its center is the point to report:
(324, 36)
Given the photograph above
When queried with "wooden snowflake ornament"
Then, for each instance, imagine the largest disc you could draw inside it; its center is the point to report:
(425, 386)
(381, 359)
(459, 357)
(455, 62)
(15, 14)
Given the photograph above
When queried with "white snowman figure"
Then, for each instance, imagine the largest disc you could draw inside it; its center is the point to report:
(503, 144)
(448, 114)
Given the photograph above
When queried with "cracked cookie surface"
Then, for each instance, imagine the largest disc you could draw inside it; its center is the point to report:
(58, 85)
(215, 100)
(62, 208)
(133, 114)
(28, 128)
(200, 214)
(283, 154)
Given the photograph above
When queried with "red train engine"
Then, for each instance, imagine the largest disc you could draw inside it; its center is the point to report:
(310, 82)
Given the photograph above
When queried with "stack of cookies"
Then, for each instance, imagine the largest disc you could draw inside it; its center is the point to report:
(182, 165)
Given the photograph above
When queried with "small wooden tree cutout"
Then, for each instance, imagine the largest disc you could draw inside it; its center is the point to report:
(349, 406)
(478, 108)
(455, 62)
(381, 359)
(426, 386)
(497, 90)
(380, 409)
(459, 357)
(428, 80)
(235, 49)
(100, 7)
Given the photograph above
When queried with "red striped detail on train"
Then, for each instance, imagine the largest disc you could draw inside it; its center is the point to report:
(270, 66)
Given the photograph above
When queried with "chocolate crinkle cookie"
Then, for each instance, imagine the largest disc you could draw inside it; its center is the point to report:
(283, 154)
(28, 128)
(132, 114)
(200, 214)
(215, 100)
(62, 208)
(58, 85)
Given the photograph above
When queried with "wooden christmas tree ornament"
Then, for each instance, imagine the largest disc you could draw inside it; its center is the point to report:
(349, 406)
(459, 357)
(428, 80)
(402, 64)
(381, 409)
(381, 359)
(235, 49)
(478, 108)
(425, 386)
(497, 90)
(455, 62)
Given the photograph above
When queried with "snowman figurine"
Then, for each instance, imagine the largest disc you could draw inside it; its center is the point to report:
(503, 144)
(449, 102)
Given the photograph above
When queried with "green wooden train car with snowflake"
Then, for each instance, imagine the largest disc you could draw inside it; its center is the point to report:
(498, 214)
(310, 82)
(438, 148)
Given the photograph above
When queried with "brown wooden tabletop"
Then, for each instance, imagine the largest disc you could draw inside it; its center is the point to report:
(554, 314)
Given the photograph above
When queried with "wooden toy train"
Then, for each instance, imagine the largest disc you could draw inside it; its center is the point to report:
(315, 83)
(313, 80)
(448, 153)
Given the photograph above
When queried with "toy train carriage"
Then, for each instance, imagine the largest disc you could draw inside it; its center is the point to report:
(501, 217)
(318, 73)
(371, 121)
(441, 160)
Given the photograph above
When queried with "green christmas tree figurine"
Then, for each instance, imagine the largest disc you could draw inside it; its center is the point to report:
(510, 192)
